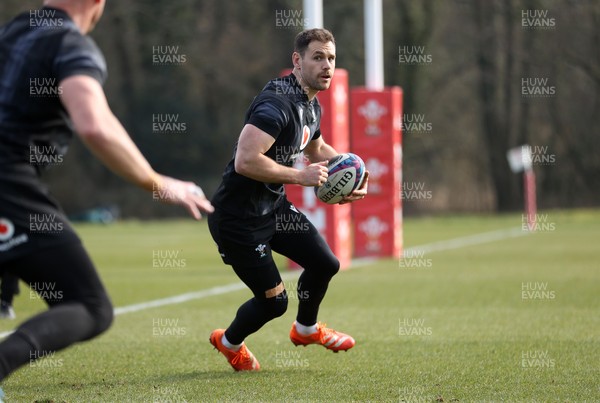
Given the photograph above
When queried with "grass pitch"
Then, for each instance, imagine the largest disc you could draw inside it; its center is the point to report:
(511, 320)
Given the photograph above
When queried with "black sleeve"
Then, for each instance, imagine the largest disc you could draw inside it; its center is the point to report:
(318, 113)
(78, 54)
(269, 114)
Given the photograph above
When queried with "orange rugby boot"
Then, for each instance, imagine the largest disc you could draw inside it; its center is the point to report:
(241, 360)
(328, 338)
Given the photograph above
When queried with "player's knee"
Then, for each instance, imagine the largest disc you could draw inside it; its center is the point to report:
(105, 319)
(277, 305)
(323, 265)
(103, 315)
(280, 304)
(330, 266)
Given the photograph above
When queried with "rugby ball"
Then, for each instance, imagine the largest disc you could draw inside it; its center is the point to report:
(346, 173)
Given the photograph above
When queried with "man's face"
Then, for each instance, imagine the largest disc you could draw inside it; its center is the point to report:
(318, 65)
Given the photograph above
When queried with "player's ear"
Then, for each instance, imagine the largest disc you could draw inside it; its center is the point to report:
(296, 59)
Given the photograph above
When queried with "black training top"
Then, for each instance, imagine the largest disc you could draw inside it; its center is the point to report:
(282, 110)
(39, 49)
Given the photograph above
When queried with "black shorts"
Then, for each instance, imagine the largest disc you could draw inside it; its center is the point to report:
(30, 219)
(249, 242)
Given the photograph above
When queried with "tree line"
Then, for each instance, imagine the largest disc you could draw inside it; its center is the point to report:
(478, 77)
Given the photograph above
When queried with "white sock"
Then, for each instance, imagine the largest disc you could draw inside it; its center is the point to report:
(226, 343)
(306, 330)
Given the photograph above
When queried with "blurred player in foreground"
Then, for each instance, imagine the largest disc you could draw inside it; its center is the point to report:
(50, 86)
(9, 287)
(282, 123)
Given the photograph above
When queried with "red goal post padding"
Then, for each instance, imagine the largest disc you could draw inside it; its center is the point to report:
(376, 136)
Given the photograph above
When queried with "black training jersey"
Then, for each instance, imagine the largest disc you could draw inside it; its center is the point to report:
(39, 49)
(282, 110)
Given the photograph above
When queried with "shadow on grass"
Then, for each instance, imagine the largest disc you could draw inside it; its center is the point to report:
(211, 374)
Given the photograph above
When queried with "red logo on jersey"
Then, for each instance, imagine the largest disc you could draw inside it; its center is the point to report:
(7, 229)
(305, 137)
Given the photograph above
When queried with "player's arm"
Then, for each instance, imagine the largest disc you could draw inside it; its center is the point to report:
(251, 161)
(319, 150)
(104, 135)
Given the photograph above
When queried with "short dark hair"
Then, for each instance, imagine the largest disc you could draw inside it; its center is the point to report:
(304, 38)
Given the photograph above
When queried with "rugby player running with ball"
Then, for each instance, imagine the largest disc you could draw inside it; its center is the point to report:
(282, 122)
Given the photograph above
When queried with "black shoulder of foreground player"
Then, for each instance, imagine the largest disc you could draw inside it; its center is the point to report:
(48, 67)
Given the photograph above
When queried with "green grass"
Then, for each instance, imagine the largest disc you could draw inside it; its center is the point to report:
(467, 306)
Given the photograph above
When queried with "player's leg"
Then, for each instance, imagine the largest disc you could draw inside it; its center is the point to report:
(79, 307)
(303, 244)
(253, 263)
(8, 289)
(269, 301)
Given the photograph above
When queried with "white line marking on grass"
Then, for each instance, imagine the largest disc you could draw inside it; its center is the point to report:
(450, 244)
(178, 299)
(456, 243)
(470, 240)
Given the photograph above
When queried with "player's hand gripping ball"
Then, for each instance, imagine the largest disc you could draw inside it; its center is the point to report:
(346, 174)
